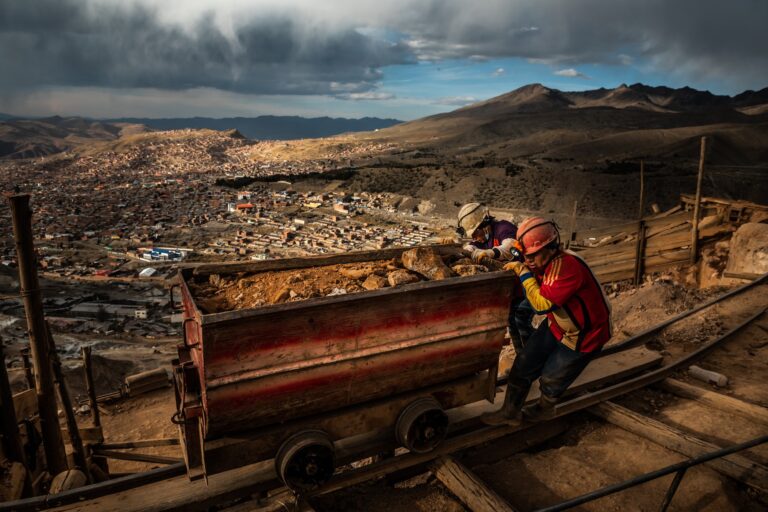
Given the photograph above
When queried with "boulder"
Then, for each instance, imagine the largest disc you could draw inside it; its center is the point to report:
(749, 250)
(374, 282)
(468, 270)
(427, 262)
(400, 277)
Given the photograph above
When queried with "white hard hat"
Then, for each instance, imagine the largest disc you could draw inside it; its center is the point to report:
(470, 217)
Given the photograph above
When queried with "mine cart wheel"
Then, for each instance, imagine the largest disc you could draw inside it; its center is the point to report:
(422, 425)
(306, 460)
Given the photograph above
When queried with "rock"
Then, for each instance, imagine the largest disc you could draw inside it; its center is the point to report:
(355, 273)
(426, 262)
(374, 282)
(469, 270)
(292, 293)
(281, 296)
(337, 291)
(749, 250)
(85, 409)
(400, 277)
(215, 280)
(66, 480)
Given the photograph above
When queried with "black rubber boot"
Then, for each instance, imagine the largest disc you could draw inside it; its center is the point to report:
(514, 398)
(542, 410)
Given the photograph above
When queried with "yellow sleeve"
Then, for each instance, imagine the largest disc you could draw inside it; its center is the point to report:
(533, 293)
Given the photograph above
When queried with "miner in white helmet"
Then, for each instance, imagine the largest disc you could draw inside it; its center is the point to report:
(496, 240)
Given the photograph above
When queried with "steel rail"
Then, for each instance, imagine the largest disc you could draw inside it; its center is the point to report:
(650, 377)
(642, 337)
(679, 468)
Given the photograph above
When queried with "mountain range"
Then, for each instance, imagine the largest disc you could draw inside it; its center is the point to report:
(26, 138)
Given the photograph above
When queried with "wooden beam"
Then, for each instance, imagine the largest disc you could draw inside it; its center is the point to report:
(468, 487)
(735, 466)
(89, 385)
(138, 457)
(717, 400)
(10, 438)
(145, 443)
(53, 444)
(697, 204)
(25, 404)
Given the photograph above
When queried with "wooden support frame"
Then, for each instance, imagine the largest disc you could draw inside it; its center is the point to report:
(136, 457)
(468, 487)
(735, 466)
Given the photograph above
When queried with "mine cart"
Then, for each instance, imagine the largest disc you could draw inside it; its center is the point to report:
(287, 381)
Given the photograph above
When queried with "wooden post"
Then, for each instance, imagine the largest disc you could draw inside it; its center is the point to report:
(697, 204)
(78, 453)
(642, 190)
(11, 439)
(640, 252)
(572, 227)
(86, 352)
(27, 367)
(38, 341)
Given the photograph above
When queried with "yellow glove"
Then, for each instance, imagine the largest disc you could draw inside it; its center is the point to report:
(516, 266)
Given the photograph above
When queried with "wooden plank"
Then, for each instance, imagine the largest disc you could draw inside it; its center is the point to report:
(17, 476)
(717, 400)
(117, 445)
(735, 466)
(609, 369)
(25, 404)
(138, 457)
(468, 487)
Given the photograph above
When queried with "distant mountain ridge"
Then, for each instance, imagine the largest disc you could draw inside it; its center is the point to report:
(268, 127)
(29, 138)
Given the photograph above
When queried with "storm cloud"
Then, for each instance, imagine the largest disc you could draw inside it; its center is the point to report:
(339, 48)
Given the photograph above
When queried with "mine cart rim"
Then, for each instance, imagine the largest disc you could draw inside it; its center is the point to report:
(422, 425)
(320, 302)
(306, 460)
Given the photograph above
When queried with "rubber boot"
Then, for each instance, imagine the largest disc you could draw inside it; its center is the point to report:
(542, 410)
(509, 414)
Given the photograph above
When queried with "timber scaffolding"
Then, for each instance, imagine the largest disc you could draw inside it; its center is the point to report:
(660, 241)
(620, 369)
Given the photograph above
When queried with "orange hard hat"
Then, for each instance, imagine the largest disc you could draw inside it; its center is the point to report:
(535, 233)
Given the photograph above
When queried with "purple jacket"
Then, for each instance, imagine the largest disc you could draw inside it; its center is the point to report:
(500, 231)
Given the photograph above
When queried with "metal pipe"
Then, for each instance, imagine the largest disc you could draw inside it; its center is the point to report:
(672, 489)
(38, 341)
(632, 482)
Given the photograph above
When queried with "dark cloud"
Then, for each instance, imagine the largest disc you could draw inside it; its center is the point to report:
(74, 43)
(331, 47)
(702, 39)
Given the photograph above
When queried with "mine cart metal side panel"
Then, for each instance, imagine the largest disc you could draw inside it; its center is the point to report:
(276, 363)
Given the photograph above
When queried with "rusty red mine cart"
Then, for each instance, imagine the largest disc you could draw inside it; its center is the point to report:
(287, 381)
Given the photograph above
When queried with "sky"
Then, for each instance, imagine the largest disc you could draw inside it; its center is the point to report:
(354, 58)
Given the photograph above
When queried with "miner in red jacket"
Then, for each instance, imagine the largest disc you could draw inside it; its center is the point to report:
(559, 284)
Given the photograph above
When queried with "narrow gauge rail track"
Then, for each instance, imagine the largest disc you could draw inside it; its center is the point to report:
(140, 492)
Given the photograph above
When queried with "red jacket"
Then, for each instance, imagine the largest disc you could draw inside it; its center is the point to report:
(571, 296)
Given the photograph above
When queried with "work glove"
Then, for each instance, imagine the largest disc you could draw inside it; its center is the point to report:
(468, 249)
(482, 254)
(515, 266)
